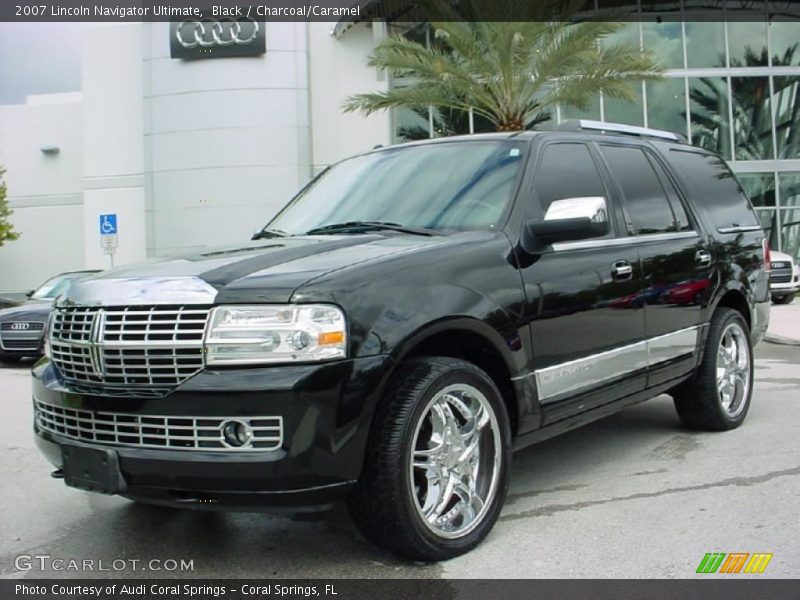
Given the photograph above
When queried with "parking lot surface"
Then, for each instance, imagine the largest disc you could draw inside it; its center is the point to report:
(635, 495)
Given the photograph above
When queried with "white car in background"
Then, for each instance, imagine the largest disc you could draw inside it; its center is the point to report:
(784, 280)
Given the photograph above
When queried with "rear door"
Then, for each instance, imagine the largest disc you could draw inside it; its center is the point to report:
(586, 328)
(677, 265)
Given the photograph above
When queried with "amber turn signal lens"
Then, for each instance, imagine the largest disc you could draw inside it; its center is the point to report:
(331, 337)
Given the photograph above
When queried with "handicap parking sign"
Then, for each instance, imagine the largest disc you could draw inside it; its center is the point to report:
(108, 224)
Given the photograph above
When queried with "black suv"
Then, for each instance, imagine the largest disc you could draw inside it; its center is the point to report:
(412, 316)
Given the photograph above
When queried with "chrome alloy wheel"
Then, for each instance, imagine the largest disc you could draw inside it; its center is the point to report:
(733, 369)
(456, 461)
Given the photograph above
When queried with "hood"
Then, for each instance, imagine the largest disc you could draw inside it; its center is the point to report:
(269, 270)
(779, 257)
(33, 310)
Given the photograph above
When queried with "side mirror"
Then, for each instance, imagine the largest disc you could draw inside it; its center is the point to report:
(569, 219)
(30, 293)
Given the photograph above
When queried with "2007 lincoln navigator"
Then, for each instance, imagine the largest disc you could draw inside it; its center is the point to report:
(409, 319)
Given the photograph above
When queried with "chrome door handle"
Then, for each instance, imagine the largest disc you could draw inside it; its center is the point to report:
(703, 258)
(622, 270)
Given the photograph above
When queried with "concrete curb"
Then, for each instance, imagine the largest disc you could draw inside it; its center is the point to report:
(779, 339)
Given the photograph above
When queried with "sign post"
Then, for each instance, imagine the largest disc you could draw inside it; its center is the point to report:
(109, 239)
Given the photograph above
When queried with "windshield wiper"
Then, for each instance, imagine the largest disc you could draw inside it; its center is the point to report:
(266, 234)
(371, 226)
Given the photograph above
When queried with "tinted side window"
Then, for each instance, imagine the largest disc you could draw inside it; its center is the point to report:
(678, 209)
(567, 171)
(711, 185)
(645, 198)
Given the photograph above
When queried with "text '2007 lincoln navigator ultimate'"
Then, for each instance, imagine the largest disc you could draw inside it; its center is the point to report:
(409, 319)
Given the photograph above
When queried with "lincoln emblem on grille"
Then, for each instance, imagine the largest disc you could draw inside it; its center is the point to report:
(95, 342)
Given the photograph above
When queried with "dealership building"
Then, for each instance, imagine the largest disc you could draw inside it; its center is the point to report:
(192, 146)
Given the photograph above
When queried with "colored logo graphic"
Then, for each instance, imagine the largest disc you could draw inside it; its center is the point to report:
(735, 562)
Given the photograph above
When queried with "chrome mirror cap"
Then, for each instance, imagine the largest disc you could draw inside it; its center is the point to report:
(593, 208)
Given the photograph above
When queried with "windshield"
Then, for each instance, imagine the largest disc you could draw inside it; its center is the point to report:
(55, 286)
(447, 186)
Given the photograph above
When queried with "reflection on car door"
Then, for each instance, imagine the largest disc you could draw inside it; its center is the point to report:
(585, 322)
(676, 264)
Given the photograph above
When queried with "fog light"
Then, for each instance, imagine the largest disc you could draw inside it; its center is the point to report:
(236, 434)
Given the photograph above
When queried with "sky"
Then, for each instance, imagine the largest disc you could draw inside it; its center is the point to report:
(38, 58)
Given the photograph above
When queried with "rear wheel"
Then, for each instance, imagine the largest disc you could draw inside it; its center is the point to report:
(783, 299)
(718, 396)
(438, 461)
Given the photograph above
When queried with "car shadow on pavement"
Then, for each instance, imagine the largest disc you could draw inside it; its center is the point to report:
(324, 543)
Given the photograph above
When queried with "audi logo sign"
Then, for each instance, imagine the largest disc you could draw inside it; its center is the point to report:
(217, 38)
(20, 326)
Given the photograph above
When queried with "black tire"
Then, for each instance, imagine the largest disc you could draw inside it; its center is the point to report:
(9, 359)
(699, 400)
(385, 505)
(783, 299)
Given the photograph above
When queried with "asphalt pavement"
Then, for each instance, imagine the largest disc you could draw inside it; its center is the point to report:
(632, 496)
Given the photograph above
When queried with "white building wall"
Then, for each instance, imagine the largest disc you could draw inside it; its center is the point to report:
(188, 154)
(43, 190)
(338, 70)
(226, 140)
(113, 144)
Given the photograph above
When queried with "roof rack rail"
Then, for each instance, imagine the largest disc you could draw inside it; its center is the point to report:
(584, 124)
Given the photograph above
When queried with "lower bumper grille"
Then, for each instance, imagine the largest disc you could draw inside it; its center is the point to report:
(157, 431)
(32, 345)
(781, 277)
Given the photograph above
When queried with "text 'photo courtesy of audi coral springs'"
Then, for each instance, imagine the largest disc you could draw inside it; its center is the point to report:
(410, 318)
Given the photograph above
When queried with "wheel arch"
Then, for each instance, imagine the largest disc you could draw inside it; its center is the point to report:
(736, 299)
(473, 341)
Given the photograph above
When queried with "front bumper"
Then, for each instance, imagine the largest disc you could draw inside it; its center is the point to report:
(781, 289)
(326, 411)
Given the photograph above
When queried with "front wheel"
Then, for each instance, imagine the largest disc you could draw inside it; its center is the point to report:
(717, 397)
(438, 461)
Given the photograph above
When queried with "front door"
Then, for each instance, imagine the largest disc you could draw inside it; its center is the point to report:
(586, 323)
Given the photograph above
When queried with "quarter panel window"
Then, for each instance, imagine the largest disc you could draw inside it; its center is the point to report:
(647, 203)
(710, 183)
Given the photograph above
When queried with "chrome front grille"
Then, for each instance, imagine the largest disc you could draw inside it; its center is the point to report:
(156, 431)
(117, 350)
(781, 276)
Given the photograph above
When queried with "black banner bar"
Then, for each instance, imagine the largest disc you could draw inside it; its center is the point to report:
(400, 10)
(737, 588)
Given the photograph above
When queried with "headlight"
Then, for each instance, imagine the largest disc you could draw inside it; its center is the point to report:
(241, 335)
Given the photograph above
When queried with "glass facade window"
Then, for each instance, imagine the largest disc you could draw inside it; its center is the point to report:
(710, 114)
(743, 83)
(752, 118)
(769, 221)
(783, 42)
(621, 111)
(705, 44)
(789, 188)
(666, 105)
(759, 187)
(665, 40)
(747, 44)
(786, 100)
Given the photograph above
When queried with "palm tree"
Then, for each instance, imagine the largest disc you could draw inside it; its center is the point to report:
(511, 74)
